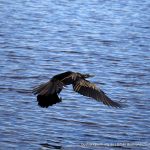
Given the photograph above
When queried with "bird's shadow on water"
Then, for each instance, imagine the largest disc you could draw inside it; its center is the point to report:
(50, 146)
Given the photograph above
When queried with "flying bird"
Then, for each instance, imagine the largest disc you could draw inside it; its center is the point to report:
(47, 93)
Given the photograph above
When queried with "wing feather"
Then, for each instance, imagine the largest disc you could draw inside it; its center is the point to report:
(69, 79)
(89, 89)
(48, 88)
(56, 84)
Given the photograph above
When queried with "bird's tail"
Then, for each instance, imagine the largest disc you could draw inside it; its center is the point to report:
(48, 100)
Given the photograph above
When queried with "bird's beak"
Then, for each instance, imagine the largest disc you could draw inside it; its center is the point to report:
(88, 75)
(91, 75)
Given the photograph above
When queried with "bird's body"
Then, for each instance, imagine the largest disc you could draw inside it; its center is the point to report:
(47, 93)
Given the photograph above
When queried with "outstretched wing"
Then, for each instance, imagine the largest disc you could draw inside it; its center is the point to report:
(56, 84)
(48, 88)
(88, 89)
(69, 78)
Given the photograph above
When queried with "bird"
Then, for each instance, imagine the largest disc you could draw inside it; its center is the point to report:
(47, 93)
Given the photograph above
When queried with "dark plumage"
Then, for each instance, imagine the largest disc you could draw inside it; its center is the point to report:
(47, 93)
(48, 100)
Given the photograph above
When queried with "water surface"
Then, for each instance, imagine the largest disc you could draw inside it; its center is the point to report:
(110, 39)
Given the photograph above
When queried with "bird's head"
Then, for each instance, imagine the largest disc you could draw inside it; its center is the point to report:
(87, 75)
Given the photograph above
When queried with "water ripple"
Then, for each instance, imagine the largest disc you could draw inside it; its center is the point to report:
(39, 39)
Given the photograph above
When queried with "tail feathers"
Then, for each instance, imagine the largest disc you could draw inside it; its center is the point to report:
(48, 100)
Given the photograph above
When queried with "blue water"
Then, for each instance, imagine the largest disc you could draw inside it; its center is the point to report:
(110, 39)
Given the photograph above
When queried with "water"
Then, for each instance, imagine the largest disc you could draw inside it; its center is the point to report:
(110, 39)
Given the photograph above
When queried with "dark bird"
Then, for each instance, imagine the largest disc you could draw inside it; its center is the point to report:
(47, 93)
